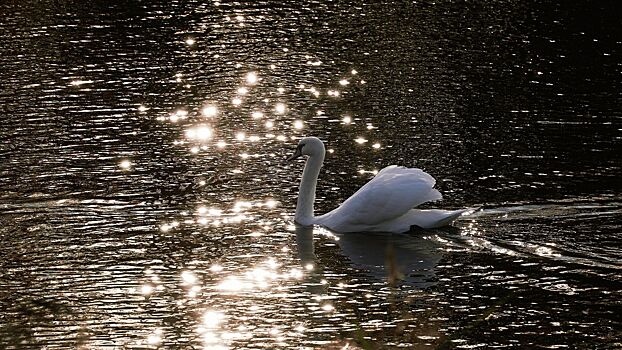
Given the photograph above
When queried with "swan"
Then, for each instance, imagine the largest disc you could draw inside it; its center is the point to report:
(385, 204)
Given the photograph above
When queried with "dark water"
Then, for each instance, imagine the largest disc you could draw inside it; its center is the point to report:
(134, 216)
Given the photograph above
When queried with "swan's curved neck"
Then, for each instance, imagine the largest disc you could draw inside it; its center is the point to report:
(306, 194)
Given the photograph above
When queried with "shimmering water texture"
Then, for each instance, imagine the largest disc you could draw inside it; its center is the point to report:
(144, 201)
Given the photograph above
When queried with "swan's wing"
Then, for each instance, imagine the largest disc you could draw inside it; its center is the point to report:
(391, 193)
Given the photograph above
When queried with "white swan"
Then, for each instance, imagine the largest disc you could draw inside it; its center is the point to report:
(384, 204)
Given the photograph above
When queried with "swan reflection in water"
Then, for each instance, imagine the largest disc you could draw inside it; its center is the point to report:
(396, 258)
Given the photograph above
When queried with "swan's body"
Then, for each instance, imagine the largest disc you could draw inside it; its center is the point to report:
(385, 204)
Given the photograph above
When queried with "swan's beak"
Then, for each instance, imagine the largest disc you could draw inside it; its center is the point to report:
(296, 154)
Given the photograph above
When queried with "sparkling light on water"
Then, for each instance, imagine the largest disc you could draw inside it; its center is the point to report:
(146, 289)
(81, 82)
(328, 307)
(251, 78)
(189, 277)
(234, 284)
(199, 133)
(333, 93)
(213, 319)
(210, 111)
(155, 338)
(178, 115)
(125, 164)
(280, 108)
(216, 268)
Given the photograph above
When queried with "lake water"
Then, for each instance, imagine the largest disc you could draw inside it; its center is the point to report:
(144, 202)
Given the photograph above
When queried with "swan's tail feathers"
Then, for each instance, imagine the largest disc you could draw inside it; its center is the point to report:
(449, 217)
(433, 218)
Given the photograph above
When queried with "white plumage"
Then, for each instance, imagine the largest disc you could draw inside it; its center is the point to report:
(385, 204)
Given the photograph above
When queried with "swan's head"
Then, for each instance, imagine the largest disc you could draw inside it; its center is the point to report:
(309, 146)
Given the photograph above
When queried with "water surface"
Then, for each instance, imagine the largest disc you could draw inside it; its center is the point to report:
(144, 202)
